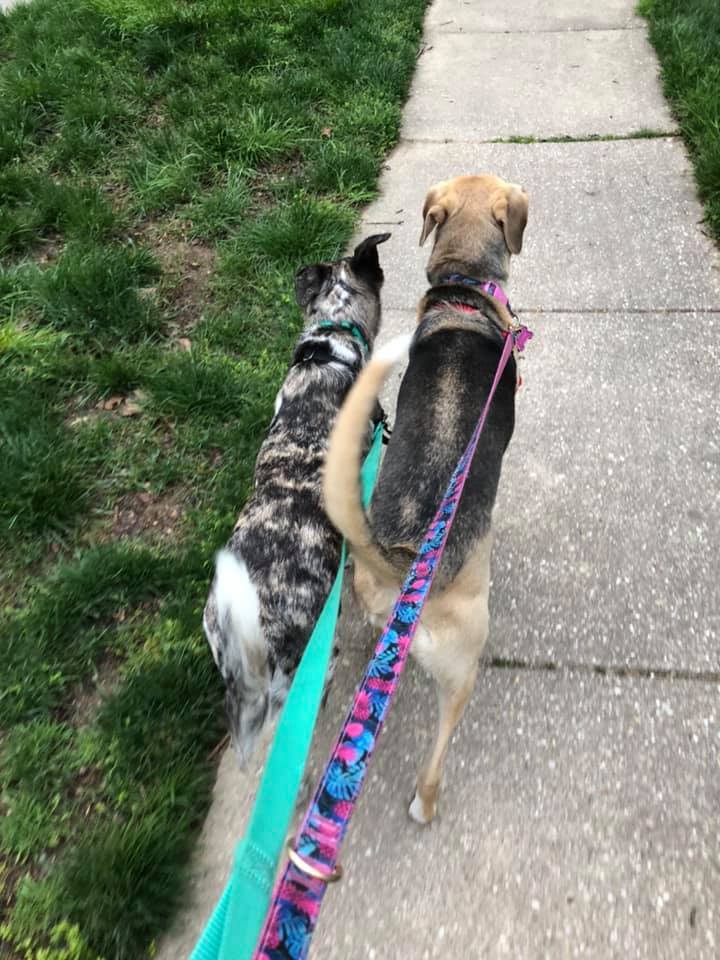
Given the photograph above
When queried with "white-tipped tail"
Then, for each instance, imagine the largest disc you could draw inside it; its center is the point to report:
(341, 484)
(394, 350)
(244, 652)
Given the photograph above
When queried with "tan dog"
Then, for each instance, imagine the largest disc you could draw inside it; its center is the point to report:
(454, 354)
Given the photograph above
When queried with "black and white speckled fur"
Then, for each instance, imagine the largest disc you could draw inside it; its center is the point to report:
(273, 577)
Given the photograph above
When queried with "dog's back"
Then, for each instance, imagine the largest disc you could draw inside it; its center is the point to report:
(272, 579)
(440, 398)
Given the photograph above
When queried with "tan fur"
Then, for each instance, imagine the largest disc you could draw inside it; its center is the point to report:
(341, 480)
(479, 220)
(489, 203)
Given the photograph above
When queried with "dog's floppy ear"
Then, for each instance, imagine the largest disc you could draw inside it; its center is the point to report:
(309, 282)
(365, 260)
(510, 210)
(434, 214)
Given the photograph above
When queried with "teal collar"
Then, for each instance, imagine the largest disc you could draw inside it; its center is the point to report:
(352, 328)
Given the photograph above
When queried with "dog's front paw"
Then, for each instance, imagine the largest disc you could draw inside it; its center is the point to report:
(421, 812)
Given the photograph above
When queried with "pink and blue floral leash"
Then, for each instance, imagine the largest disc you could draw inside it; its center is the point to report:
(298, 894)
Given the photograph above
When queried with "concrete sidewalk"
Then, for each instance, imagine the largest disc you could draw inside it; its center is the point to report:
(581, 812)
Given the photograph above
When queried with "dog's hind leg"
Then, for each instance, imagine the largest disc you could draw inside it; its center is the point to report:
(448, 644)
(454, 687)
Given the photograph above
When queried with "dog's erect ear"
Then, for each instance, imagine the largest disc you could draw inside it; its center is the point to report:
(367, 248)
(365, 261)
(511, 212)
(309, 282)
(434, 214)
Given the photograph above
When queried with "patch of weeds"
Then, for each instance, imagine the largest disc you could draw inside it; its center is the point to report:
(165, 171)
(261, 138)
(141, 731)
(222, 209)
(42, 487)
(347, 169)
(138, 16)
(92, 122)
(94, 292)
(38, 763)
(149, 754)
(304, 230)
(43, 481)
(686, 36)
(207, 386)
(37, 757)
(54, 640)
(32, 208)
(32, 350)
(120, 371)
(102, 882)
(369, 119)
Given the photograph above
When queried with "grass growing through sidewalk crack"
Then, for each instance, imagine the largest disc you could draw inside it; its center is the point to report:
(642, 134)
(164, 168)
(686, 36)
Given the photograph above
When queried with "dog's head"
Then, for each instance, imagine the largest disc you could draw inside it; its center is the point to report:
(347, 289)
(479, 221)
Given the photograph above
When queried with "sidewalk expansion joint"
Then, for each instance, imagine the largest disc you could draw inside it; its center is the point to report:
(603, 311)
(529, 140)
(435, 30)
(600, 670)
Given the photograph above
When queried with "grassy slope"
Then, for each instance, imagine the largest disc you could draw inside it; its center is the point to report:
(686, 35)
(164, 167)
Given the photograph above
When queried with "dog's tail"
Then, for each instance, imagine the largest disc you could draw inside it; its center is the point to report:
(341, 485)
(241, 653)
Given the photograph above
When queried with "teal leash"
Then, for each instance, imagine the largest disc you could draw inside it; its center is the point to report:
(235, 925)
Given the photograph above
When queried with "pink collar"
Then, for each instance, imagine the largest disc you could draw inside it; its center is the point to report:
(520, 334)
(487, 286)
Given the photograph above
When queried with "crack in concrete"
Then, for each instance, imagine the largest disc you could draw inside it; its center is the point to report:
(604, 311)
(529, 141)
(435, 29)
(597, 669)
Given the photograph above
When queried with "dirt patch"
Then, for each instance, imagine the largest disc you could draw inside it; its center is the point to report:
(264, 185)
(117, 405)
(47, 252)
(188, 266)
(88, 695)
(148, 515)
(44, 253)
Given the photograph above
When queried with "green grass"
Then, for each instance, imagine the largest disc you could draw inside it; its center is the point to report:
(686, 35)
(164, 169)
(644, 133)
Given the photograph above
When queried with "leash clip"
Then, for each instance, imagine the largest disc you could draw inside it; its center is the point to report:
(520, 336)
(310, 870)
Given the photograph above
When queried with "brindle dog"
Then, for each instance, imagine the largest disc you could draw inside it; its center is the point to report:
(454, 354)
(274, 575)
